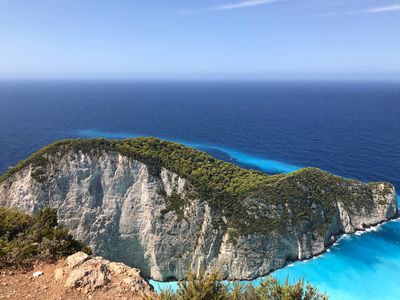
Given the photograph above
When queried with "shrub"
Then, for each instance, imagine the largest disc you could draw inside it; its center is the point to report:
(209, 287)
(24, 238)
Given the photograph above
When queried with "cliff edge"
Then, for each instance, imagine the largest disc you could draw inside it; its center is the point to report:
(165, 208)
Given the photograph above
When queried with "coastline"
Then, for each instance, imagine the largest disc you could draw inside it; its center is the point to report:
(166, 285)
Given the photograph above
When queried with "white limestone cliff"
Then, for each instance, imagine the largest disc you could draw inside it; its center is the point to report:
(115, 204)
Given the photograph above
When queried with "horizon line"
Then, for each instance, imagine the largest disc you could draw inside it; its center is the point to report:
(209, 76)
(289, 78)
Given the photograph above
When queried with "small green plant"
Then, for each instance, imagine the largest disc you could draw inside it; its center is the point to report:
(176, 203)
(24, 238)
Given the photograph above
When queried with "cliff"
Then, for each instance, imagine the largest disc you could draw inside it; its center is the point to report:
(165, 208)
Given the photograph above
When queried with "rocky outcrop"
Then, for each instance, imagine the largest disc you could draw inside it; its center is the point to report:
(117, 205)
(87, 274)
(88, 277)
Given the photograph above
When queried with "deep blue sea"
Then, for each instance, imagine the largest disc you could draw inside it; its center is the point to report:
(351, 129)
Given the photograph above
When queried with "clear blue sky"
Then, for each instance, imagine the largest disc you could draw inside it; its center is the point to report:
(200, 38)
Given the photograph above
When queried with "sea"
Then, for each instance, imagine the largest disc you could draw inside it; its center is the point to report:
(349, 128)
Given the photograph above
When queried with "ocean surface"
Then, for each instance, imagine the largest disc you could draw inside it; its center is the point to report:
(351, 129)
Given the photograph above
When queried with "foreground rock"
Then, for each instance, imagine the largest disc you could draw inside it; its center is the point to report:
(147, 216)
(87, 274)
(86, 278)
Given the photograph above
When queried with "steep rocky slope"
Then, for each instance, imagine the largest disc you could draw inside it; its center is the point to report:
(165, 208)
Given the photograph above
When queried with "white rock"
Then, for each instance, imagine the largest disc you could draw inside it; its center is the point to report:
(37, 273)
(76, 259)
(89, 275)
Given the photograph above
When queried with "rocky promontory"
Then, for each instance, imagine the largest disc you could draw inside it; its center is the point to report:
(165, 208)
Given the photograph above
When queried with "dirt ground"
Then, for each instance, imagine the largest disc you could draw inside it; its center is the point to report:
(19, 285)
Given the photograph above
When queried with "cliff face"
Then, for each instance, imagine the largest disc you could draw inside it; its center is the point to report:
(118, 206)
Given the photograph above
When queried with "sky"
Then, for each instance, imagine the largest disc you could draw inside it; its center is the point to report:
(199, 39)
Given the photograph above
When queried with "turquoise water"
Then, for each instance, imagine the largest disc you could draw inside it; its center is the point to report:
(361, 266)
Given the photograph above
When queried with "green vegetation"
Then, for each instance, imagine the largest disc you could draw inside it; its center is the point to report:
(24, 238)
(311, 193)
(176, 203)
(209, 287)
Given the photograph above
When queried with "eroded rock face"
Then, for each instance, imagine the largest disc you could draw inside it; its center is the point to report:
(117, 206)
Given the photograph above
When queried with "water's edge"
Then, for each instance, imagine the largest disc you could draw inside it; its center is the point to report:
(173, 285)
